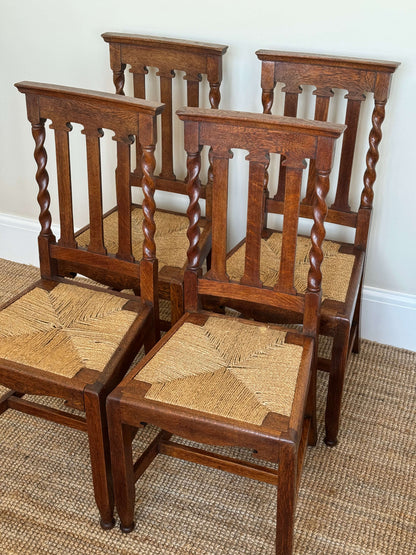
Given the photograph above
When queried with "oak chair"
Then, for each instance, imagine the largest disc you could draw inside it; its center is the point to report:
(221, 380)
(195, 59)
(71, 340)
(343, 264)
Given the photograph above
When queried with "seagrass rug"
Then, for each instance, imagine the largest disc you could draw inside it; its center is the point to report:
(357, 498)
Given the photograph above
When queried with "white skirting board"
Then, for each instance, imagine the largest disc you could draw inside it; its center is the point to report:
(387, 317)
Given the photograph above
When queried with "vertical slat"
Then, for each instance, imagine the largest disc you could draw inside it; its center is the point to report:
(192, 91)
(123, 191)
(139, 91)
(92, 137)
(255, 208)
(321, 114)
(347, 153)
(63, 170)
(321, 106)
(219, 208)
(290, 110)
(293, 184)
(167, 124)
(139, 84)
(291, 103)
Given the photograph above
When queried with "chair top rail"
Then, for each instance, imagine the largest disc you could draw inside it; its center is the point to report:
(327, 60)
(261, 121)
(95, 98)
(175, 44)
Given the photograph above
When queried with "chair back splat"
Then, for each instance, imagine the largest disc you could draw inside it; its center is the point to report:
(260, 135)
(127, 118)
(360, 78)
(167, 55)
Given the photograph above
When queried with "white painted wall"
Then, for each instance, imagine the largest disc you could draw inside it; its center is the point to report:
(60, 42)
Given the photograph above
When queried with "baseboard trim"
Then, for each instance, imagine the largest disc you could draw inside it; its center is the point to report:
(19, 239)
(388, 317)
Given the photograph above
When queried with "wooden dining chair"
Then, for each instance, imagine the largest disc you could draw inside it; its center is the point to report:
(222, 380)
(343, 264)
(71, 340)
(192, 60)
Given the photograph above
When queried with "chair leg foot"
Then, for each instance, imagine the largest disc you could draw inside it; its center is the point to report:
(330, 442)
(105, 525)
(126, 529)
(356, 347)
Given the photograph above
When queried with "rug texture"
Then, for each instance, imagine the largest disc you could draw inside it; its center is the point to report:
(357, 498)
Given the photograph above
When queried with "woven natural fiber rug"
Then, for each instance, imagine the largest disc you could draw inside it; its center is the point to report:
(358, 498)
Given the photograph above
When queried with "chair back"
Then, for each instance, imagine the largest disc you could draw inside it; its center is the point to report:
(167, 55)
(326, 73)
(260, 135)
(127, 119)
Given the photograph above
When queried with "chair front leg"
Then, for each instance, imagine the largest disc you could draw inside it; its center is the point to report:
(121, 438)
(99, 454)
(286, 499)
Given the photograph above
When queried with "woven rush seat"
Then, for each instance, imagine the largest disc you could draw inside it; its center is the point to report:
(336, 266)
(226, 367)
(63, 328)
(170, 236)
